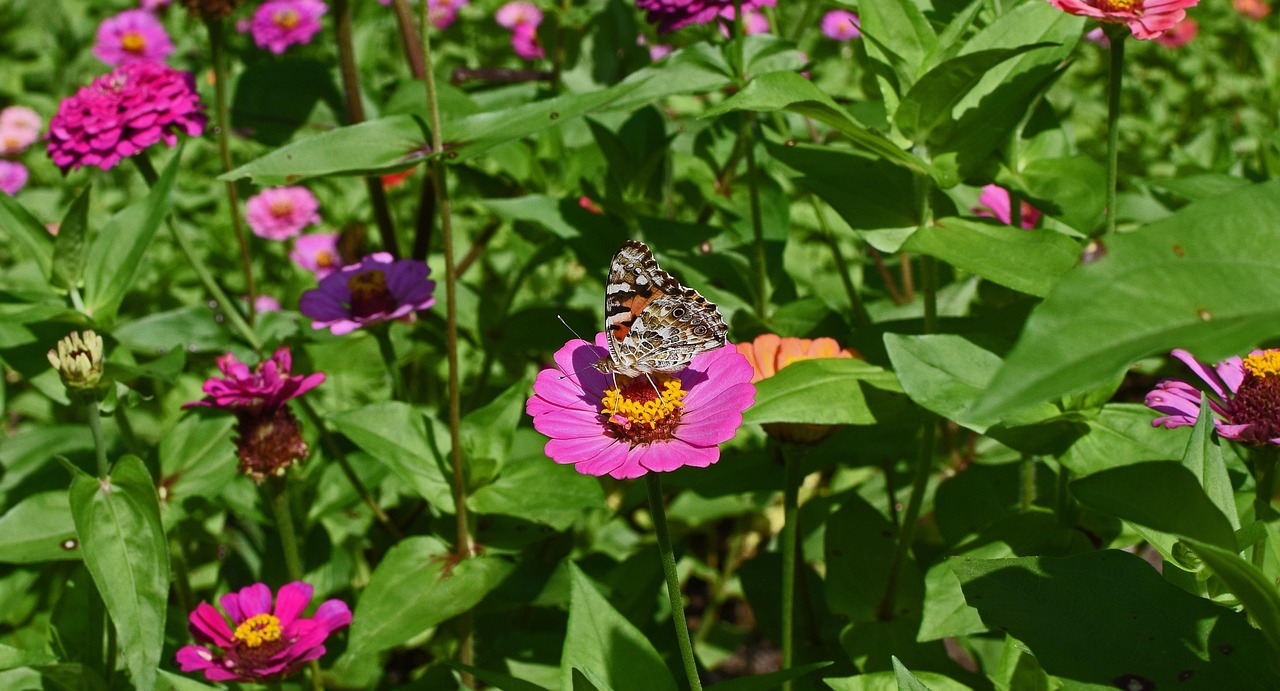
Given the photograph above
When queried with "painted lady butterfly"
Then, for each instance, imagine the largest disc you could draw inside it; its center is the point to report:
(654, 323)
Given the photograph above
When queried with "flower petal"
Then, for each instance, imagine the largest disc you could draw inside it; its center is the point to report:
(291, 600)
(605, 462)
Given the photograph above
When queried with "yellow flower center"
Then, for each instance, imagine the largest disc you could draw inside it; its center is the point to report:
(1119, 5)
(285, 19)
(629, 406)
(281, 207)
(133, 42)
(325, 258)
(255, 631)
(1264, 365)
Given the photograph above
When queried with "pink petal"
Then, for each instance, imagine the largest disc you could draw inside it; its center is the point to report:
(569, 424)
(577, 450)
(605, 462)
(1209, 377)
(291, 600)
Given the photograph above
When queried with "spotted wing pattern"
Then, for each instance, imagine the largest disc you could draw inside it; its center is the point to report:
(653, 322)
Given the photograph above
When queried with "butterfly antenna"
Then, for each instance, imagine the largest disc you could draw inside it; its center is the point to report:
(580, 338)
(654, 385)
(575, 333)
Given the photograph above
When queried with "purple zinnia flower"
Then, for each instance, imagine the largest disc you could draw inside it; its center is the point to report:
(669, 15)
(122, 113)
(268, 643)
(841, 25)
(13, 177)
(132, 36)
(279, 213)
(278, 24)
(994, 203)
(317, 253)
(610, 425)
(1244, 394)
(376, 289)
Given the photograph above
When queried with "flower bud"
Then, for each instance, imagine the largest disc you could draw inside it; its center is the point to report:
(78, 360)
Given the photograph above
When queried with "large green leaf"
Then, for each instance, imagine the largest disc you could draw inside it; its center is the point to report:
(38, 528)
(902, 31)
(532, 487)
(603, 642)
(1255, 591)
(1030, 261)
(867, 193)
(1204, 459)
(124, 546)
(1162, 495)
(1108, 618)
(830, 391)
(69, 248)
(25, 230)
(1169, 285)
(115, 255)
(396, 435)
(1120, 434)
(772, 680)
(417, 585)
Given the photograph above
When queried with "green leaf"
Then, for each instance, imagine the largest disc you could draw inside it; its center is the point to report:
(1168, 285)
(37, 529)
(770, 681)
(115, 255)
(829, 391)
(124, 546)
(906, 680)
(274, 99)
(603, 642)
(532, 487)
(1030, 261)
(486, 432)
(1105, 616)
(498, 680)
(69, 247)
(78, 621)
(1253, 588)
(396, 435)
(418, 585)
(868, 194)
(1204, 459)
(902, 29)
(888, 681)
(776, 91)
(1163, 495)
(27, 231)
(1120, 434)
(859, 546)
(1072, 190)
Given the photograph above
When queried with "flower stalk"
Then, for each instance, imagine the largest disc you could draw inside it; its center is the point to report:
(277, 495)
(382, 334)
(907, 531)
(790, 528)
(1117, 34)
(653, 485)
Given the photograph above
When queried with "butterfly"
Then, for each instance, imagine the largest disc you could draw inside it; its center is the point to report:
(654, 323)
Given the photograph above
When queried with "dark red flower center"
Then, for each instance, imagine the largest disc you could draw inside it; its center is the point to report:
(644, 409)
(1257, 401)
(258, 639)
(369, 294)
(268, 442)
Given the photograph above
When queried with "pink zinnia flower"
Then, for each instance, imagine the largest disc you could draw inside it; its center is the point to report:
(1180, 35)
(607, 425)
(376, 289)
(1253, 9)
(132, 36)
(122, 113)
(268, 643)
(524, 41)
(317, 253)
(514, 14)
(841, 25)
(755, 22)
(13, 177)
(1244, 394)
(279, 213)
(994, 203)
(19, 129)
(669, 15)
(278, 24)
(1147, 19)
(266, 303)
(443, 13)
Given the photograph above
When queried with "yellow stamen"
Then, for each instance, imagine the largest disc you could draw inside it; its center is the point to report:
(1118, 5)
(1266, 364)
(254, 631)
(281, 207)
(326, 258)
(285, 19)
(133, 42)
(615, 405)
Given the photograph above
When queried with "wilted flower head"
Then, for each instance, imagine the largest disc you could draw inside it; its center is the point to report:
(1147, 19)
(278, 24)
(132, 36)
(376, 289)
(1180, 35)
(122, 113)
(268, 643)
(841, 25)
(1244, 394)
(1253, 9)
(769, 353)
(279, 213)
(79, 361)
(13, 177)
(608, 425)
(669, 15)
(994, 203)
(317, 253)
(19, 129)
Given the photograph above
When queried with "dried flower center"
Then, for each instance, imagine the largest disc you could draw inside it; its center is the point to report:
(642, 410)
(1119, 5)
(133, 42)
(285, 19)
(369, 294)
(1257, 401)
(258, 630)
(281, 207)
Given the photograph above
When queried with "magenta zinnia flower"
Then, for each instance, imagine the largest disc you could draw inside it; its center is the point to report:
(994, 203)
(840, 25)
(607, 425)
(317, 253)
(267, 644)
(1244, 394)
(13, 177)
(122, 113)
(279, 213)
(132, 36)
(376, 289)
(1147, 19)
(669, 15)
(278, 24)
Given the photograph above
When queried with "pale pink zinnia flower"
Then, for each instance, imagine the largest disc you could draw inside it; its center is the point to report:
(841, 25)
(278, 24)
(132, 36)
(994, 203)
(268, 643)
(13, 177)
(515, 14)
(443, 13)
(19, 129)
(606, 425)
(317, 253)
(279, 213)
(266, 303)
(1244, 394)
(1147, 19)
(1253, 9)
(1180, 35)
(754, 23)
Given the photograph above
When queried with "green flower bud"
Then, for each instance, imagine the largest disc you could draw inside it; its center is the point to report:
(78, 360)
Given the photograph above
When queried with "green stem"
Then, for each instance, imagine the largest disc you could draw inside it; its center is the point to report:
(1264, 468)
(335, 452)
(860, 316)
(653, 484)
(928, 265)
(412, 49)
(126, 431)
(907, 531)
(228, 307)
(1117, 37)
(277, 491)
(181, 574)
(1028, 486)
(99, 439)
(807, 19)
(382, 334)
(220, 81)
(790, 527)
(757, 222)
